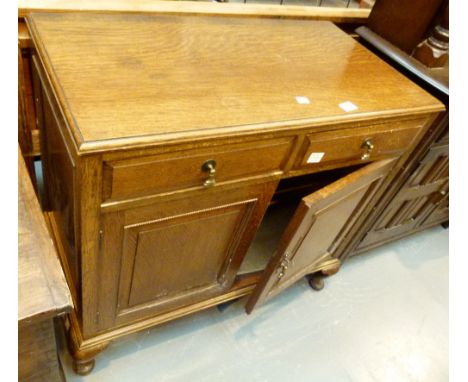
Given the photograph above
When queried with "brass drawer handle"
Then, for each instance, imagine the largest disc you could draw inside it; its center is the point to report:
(210, 167)
(368, 146)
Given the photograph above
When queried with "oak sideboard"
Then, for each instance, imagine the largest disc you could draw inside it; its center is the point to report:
(192, 160)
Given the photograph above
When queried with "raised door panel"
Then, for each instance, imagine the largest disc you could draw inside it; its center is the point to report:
(172, 254)
(440, 211)
(185, 254)
(318, 227)
(421, 194)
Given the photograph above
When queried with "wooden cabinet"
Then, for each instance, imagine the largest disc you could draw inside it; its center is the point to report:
(167, 255)
(419, 197)
(422, 201)
(175, 162)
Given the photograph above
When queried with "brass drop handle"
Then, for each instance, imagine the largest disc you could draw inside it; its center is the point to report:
(368, 146)
(210, 167)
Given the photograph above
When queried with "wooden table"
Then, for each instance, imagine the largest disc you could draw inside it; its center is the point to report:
(42, 290)
(166, 138)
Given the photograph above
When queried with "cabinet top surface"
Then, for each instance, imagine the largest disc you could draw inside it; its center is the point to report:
(129, 79)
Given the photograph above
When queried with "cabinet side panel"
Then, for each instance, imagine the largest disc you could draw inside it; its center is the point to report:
(60, 182)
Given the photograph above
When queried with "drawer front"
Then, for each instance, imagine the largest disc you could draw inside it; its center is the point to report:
(358, 144)
(185, 169)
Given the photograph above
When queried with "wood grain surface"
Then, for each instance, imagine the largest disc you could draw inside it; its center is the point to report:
(404, 23)
(37, 353)
(125, 79)
(42, 290)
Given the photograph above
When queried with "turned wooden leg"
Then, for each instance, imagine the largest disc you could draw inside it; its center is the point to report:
(83, 367)
(82, 353)
(445, 224)
(316, 280)
(434, 51)
(83, 358)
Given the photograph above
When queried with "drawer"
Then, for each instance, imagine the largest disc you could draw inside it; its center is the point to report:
(184, 169)
(354, 145)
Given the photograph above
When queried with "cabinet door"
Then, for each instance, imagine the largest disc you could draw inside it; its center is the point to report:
(318, 226)
(169, 255)
(425, 193)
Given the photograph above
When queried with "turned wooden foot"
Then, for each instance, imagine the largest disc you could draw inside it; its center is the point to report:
(83, 358)
(83, 367)
(83, 354)
(316, 282)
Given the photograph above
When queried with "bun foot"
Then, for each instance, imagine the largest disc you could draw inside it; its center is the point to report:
(83, 356)
(83, 367)
(316, 282)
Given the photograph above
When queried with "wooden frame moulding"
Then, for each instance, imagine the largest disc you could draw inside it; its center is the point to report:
(336, 15)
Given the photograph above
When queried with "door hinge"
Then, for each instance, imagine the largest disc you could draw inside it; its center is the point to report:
(100, 241)
(284, 265)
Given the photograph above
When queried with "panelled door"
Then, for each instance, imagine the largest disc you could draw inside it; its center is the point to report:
(175, 253)
(318, 226)
(422, 200)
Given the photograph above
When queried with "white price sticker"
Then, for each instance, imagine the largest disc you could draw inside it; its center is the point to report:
(315, 157)
(348, 106)
(301, 100)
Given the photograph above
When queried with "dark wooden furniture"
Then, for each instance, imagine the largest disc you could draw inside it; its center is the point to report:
(433, 51)
(42, 290)
(404, 23)
(26, 114)
(419, 198)
(166, 138)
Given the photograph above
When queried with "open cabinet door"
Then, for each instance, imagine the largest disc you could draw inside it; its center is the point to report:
(318, 226)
